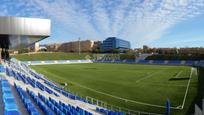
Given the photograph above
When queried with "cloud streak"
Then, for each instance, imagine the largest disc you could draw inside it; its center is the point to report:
(140, 21)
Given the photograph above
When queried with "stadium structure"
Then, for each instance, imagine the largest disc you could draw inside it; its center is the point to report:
(23, 91)
(19, 32)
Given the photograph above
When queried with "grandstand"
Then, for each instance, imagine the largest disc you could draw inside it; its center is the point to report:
(24, 91)
(39, 95)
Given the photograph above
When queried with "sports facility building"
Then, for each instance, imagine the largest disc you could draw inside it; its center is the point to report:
(19, 32)
(112, 43)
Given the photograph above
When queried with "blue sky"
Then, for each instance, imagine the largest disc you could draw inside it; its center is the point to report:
(157, 23)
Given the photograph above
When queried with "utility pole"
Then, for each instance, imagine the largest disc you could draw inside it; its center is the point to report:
(79, 47)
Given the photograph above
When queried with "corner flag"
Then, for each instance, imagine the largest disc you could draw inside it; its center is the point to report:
(167, 107)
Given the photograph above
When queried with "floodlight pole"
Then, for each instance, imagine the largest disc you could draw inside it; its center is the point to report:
(79, 47)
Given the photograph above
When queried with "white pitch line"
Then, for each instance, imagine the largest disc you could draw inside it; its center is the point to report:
(116, 97)
(148, 76)
(178, 74)
(184, 100)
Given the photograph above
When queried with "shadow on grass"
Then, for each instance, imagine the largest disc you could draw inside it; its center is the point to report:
(180, 78)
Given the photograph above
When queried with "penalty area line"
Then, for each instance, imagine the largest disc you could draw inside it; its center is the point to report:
(187, 88)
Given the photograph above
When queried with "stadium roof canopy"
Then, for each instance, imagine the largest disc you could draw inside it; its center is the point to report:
(19, 32)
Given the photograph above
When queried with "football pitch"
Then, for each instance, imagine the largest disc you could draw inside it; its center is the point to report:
(136, 87)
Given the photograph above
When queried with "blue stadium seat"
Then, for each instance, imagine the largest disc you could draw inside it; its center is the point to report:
(174, 62)
(108, 112)
(158, 62)
(40, 103)
(10, 107)
(26, 100)
(143, 61)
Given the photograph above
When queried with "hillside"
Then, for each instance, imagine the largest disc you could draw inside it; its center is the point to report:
(51, 56)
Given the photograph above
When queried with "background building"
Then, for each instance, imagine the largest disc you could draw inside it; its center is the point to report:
(113, 43)
(53, 47)
(75, 46)
(35, 47)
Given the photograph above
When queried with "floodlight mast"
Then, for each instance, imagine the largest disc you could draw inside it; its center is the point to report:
(79, 46)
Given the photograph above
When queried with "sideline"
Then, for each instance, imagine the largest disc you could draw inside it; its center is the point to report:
(184, 99)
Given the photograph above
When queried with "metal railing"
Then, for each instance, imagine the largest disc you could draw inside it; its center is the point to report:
(111, 107)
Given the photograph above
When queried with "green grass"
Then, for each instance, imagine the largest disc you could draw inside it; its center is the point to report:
(50, 56)
(113, 83)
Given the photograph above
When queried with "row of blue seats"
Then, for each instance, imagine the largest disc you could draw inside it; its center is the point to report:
(116, 61)
(34, 74)
(59, 108)
(50, 105)
(26, 101)
(174, 62)
(32, 82)
(65, 108)
(130, 61)
(20, 77)
(40, 103)
(52, 85)
(10, 106)
(44, 88)
(143, 61)
(36, 83)
(190, 62)
(108, 112)
(158, 62)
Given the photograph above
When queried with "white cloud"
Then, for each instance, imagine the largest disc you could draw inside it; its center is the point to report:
(138, 21)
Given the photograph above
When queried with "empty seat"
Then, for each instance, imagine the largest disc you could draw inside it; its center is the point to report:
(10, 107)
(40, 103)
(26, 101)
(108, 112)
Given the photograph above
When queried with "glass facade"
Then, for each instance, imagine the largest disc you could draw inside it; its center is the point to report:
(112, 43)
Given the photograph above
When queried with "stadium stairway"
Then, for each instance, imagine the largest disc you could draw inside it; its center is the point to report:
(19, 74)
(10, 101)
